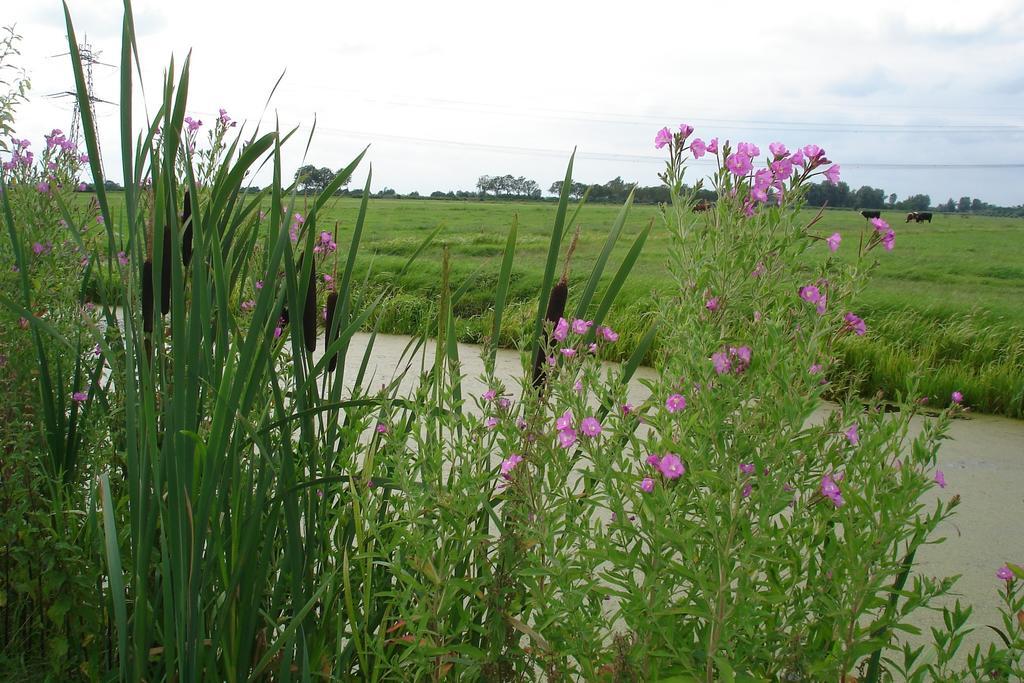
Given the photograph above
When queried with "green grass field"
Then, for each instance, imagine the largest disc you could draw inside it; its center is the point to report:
(955, 266)
(945, 308)
(949, 296)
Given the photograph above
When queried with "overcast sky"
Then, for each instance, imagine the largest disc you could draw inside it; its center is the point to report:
(916, 97)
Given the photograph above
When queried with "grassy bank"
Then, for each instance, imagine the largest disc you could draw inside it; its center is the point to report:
(943, 308)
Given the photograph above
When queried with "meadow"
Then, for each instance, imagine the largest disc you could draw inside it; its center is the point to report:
(199, 485)
(945, 306)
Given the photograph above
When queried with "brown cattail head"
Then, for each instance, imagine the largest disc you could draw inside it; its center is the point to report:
(147, 296)
(165, 274)
(555, 311)
(186, 238)
(332, 307)
(309, 310)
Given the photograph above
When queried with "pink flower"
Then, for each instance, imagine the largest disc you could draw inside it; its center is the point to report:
(830, 490)
(561, 330)
(763, 179)
(721, 362)
(783, 168)
(748, 149)
(797, 158)
(382, 428)
(504, 403)
(564, 422)
(713, 146)
(759, 270)
(590, 426)
(739, 164)
(747, 489)
(552, 361)
(880, 224)
(654, 460)
(740, 358)
(1004, 573)
(747, 468)
(855, 324)
(698, 148)
(43, 187)
(675, 403)
(79, 396)
(852, 435)
(122, 258)
(627, 408)
(685, 130)
(810, 294)
(957, 397)
(248, 305)
(833, 241)
(193, 124)
(489, 395)
(609, 334)
(778, 150)
(578, 387)
(566, 438)
(814, 369)
(509, 464)
(491, 422)
(889, 240)
(812, 151)
(940, 479)
(671, 467)
(581, 326)
(592, 347)
(569, 352)
(712, 304)
(832, 174)
(647, 485)
(663, 137)
(259, 284)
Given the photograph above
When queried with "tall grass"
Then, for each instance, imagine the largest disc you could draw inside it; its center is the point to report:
(247, 534)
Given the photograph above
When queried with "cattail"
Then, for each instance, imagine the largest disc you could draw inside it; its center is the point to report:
(309, 310)
(147, 296)
(555, 311)
(332, 305)
(165, 274)
(186, 238)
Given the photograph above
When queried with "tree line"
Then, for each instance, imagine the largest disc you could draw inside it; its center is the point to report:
(310, 179)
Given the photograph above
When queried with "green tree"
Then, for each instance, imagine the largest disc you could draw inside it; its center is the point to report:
(964, 204)
(312, 180)
(868, 197)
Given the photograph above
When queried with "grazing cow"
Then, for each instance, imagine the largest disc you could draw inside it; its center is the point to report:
(919, 216)
(912, 216)
(701, 206)
(871, 214)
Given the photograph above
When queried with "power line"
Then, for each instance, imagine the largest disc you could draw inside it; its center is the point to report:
(646, 120)
(643, 158)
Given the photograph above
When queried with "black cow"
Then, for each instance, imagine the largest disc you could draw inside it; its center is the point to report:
(919, 216)
(871, 214)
